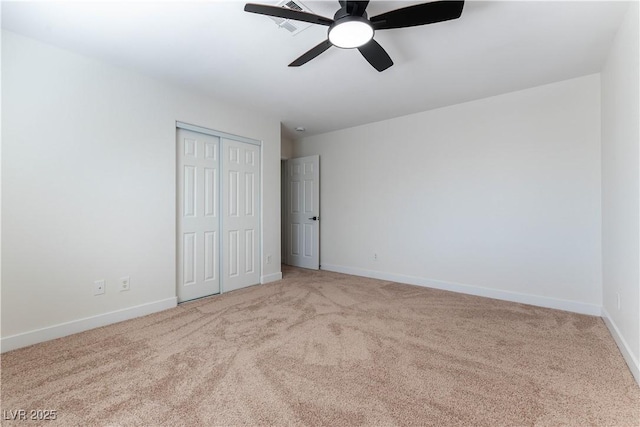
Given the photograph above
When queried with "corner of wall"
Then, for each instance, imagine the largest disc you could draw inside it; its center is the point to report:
(625, 350)
(620, 195)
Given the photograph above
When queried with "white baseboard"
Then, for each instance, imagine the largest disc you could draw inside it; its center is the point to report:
(632, 361)
(73, 327)
(559, 304)
(271, 278)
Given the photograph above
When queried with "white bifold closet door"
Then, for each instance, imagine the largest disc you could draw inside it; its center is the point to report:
(218, 237)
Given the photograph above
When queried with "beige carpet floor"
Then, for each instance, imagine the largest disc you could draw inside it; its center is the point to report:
(320, 348)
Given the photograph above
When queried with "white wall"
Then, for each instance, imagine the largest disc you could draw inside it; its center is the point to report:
(88, 185)
(497, 197)
(286, 147)
(621, 190)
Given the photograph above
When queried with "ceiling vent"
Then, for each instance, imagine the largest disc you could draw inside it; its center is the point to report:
(293, 27)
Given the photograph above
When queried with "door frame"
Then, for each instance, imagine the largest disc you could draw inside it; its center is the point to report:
(221, 135)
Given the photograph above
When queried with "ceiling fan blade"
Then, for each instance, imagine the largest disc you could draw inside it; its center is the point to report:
(376, 55)
(419, 14)
(283, 12)
(312, 53)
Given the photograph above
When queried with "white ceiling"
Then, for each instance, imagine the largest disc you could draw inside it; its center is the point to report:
(241, 58)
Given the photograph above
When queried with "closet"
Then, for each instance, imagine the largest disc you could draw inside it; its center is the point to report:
(218, 212)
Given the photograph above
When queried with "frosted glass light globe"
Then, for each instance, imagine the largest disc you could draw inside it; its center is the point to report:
(350, 34)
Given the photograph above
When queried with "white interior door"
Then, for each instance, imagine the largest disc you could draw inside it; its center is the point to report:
(198, 215)
(241, 218)
(303, 212)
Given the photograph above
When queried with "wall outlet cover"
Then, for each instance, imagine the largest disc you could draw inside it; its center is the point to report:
(125, 283)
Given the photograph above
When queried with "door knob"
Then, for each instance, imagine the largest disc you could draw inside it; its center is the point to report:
(315, 218)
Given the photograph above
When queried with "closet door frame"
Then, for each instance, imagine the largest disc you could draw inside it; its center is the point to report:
(224, 135)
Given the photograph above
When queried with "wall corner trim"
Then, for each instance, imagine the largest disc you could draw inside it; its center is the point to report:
(60, 330)
(271, 278)
(632, 362)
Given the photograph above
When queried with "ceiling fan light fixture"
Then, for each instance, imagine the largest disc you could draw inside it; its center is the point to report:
(350, 32)
(350, 27)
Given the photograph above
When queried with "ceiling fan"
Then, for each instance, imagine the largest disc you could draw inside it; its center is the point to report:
(351, 28)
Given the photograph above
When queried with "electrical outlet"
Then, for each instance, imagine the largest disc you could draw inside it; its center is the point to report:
(618, 300)
(375, 257)
(124, 283)
(99, 287)
(268, 259)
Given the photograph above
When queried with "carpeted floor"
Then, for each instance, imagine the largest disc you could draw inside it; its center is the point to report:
(320, 348)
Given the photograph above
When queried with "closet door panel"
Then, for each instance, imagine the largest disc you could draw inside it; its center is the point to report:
(198, 219)
(241, 219)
